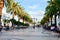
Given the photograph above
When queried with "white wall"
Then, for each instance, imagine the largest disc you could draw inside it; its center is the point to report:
(58, 21)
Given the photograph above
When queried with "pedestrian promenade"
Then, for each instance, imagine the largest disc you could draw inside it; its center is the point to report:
(29, 34)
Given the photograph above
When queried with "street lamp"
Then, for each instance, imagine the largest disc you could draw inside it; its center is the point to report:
(34, 20)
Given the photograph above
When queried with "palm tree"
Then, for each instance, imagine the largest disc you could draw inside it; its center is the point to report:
(26, 17)
(44, 20)
(20, 12)
(57, 3)
(9, 2)
(52, 9)
(13, 9)
(1, 7)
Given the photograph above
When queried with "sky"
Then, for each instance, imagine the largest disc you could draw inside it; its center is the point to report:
(35, 8)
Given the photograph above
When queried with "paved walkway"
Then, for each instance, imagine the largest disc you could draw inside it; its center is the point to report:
(29, 34)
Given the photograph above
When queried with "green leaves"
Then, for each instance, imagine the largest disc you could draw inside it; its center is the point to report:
(51, 9)
(17, 9)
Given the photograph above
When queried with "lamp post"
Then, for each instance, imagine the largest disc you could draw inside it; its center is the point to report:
(34, 20)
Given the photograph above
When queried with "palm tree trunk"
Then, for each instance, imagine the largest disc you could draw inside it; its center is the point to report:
(1, 6)
(18, 20)
(51, 21)
(0, 15)
(55, 21)
(48, 21)
(23, 21)
(12, 17)
(48, 24)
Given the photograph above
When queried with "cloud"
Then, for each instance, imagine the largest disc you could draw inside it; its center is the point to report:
(37, 14)
(33, 6)
(29, 0)
(44, 0)
(35, 0)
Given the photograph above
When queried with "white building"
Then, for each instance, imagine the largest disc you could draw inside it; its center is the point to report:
(58, 21)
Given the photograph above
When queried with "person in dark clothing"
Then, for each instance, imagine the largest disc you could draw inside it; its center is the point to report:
(1, 27)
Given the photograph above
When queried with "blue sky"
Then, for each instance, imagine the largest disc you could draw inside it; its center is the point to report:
(37, 4)
(35, 8)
